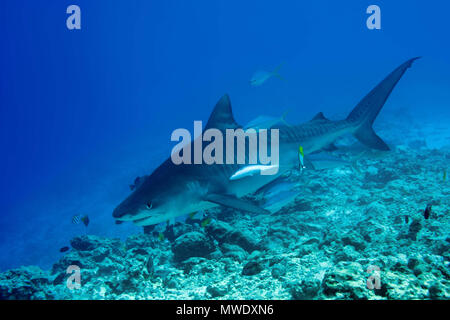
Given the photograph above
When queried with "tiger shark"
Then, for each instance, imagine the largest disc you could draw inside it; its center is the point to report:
(174, 190)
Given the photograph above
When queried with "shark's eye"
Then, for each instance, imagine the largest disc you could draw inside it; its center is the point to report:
(149, 205)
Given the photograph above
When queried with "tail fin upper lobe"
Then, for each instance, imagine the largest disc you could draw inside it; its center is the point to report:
(364, 114)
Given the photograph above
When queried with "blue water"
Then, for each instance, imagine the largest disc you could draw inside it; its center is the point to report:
(83, 112)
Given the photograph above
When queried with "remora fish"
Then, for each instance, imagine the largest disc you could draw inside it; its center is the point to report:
(265, 122)
(260, 77)
(322, 160)
(176, 190)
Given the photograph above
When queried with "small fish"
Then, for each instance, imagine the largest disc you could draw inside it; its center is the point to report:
(137, 182)
(406, 219)
(266, 122)
(324, 161)
(301, 157)
(64, 249)
(427, 212)
(161, 236)
(85, 220)
(192, 215)
(78, 218)
(118, 222)
(197, 215)
(251, 170)
(205, 222)
(262, 76)
(444, 177)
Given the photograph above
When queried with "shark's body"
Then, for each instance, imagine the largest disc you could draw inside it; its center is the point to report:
(175, 190)
(265, 122)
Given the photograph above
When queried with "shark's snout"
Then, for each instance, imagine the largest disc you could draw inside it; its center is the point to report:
(123, 212)
(118, 213)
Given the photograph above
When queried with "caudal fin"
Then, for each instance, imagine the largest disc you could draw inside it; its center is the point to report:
(276, 74)
(364, 114)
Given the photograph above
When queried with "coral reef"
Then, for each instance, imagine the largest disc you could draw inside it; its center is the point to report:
(347, 235)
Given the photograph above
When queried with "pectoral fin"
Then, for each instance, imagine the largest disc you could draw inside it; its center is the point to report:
(235, 203)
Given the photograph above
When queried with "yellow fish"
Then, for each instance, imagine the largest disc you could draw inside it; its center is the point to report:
(160, 236)
(301, 156)
(205, 222)
(192, 215)
(445, 175)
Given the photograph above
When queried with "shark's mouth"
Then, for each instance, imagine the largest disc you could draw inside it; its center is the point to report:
(143, 214)
(149, 220)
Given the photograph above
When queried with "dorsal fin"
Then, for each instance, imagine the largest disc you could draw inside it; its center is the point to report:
(319, 116)
(222, 117)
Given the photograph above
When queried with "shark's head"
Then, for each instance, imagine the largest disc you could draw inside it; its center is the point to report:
(174, 190)
(160, 197)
